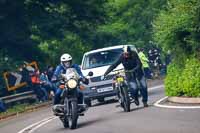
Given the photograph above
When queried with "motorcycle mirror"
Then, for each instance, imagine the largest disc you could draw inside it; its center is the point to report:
(90, 73)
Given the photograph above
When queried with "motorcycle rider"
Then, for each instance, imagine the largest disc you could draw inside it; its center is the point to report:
(131, 62)
(65, 63)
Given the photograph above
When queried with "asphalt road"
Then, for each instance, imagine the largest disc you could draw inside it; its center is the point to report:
(107, 118)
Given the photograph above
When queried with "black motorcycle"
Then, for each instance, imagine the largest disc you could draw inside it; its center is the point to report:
(71, 108)
(122, 90)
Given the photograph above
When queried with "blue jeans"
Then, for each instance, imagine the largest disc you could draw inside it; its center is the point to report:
(143, 88)
(40, 92)
(50, 87)
(45, 94)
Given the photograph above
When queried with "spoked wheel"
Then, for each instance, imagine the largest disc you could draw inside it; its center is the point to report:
(72, 119)
(125, 99)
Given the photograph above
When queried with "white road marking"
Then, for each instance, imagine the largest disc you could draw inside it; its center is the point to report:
(26, 129)
(157, 104)
(38, 126)
(156, 87)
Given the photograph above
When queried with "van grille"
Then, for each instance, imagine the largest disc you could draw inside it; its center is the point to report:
(97, 79)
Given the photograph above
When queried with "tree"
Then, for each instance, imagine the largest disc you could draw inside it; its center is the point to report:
(129, 22)
(177, 29)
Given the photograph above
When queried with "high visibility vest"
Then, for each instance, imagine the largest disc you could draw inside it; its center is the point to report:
(35, 79)
(143, 59)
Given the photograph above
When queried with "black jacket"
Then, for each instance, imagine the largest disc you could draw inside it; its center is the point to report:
(131, 63)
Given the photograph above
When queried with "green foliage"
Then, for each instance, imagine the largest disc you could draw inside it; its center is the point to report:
(71, 43)
(27, 24)
(184, 80)
(44, 30)
(177, 29)
(129, 22)
(191, 78)
(172, 81)
(178, 26)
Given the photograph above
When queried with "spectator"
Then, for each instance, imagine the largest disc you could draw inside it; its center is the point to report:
(50, 71)
(36, 85)
(46, 83)
(155, 61)
(25, 74)
(145, 63)
(93, 62)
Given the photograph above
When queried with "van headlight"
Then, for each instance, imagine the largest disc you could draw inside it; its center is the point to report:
(72, 83)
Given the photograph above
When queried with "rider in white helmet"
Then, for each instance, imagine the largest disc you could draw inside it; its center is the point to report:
(66, 60)
(65, 63)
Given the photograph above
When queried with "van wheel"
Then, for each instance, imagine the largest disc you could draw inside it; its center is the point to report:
(101, 100)
(89, 103)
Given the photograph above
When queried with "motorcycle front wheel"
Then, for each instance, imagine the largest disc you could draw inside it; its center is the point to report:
(73, 118)
(125, 99)
(65, 121)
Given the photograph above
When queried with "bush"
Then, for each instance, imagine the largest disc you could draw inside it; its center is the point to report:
(191, 78)
(183, 80)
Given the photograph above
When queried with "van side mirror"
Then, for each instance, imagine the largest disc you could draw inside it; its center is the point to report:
(90, 73)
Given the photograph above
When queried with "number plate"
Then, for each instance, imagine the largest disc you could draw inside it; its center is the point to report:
(104, 89)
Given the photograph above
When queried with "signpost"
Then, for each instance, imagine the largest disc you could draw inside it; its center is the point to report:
(14, 80)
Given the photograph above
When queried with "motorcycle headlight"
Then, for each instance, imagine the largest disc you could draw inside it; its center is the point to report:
(72, 83)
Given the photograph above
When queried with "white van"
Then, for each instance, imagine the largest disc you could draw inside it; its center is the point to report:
(98, 61)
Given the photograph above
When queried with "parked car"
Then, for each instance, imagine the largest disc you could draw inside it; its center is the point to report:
(98, 61)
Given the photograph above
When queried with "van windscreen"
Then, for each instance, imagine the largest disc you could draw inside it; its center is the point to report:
(100, 59)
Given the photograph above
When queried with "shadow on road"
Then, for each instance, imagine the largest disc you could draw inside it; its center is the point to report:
(140, 108)
(105, 103)
(90, 122)
(134, 109)
(156, 92)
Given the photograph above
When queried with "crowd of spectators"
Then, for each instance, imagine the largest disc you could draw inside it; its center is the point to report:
(153, 65)
(37, 81)
(41, 84)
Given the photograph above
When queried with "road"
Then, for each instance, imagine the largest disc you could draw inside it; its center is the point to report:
(107, 118)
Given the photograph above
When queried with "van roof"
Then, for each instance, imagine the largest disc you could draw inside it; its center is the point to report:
(106, 48)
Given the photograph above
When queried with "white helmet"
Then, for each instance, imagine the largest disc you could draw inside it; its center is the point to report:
(65, 57)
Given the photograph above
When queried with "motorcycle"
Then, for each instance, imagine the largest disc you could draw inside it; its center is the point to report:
(120, 84)
(70, 108)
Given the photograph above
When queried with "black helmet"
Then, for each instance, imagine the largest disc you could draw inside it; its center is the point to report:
(126, 51)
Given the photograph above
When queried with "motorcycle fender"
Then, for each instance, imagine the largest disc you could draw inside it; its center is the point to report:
(67, 102)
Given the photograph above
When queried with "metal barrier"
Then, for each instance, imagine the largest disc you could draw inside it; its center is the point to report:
(18, 97)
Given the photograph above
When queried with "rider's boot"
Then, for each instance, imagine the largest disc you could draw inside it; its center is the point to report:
(145, 104)
(135, 100)
(137, 103)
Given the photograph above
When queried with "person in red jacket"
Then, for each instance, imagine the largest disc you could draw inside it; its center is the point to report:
(36, 85)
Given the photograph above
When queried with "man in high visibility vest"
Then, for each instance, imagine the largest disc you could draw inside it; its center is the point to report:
(145, 63)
